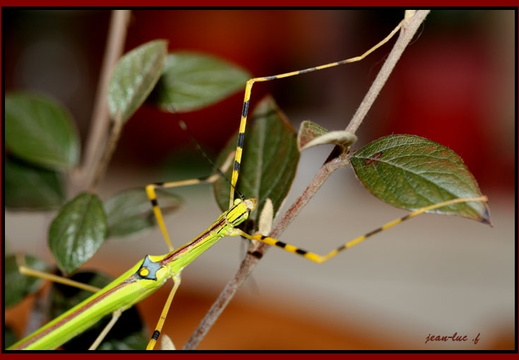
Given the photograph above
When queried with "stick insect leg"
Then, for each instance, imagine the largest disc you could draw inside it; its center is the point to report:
(115, 316)
(323, 258)
(164, 314)
(25, 270)
(248, 92)
(152, 196)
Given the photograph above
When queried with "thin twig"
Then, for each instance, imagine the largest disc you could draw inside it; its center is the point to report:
(110, 146)
(409, 28)
(82, 178)
(100, 123)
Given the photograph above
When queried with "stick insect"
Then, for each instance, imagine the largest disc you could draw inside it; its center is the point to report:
(150, 273)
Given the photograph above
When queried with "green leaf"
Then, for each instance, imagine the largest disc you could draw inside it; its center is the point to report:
(40, 131)
(130, 211)
(134, 77)
(311, 134)
(269, 160)
(31, 188)
(127, 334)
(411, 172)
(77, 231)
(192, 81)
(21, 285)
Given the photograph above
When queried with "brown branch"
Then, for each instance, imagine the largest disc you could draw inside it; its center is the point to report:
(408, 29)
(100, 125)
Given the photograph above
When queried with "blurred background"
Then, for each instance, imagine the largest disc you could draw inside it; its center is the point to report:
(434, 275)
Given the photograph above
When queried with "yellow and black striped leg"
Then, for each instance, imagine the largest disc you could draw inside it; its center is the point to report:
(323, 258)
(248, 91)
(160, 324)
(152, 196)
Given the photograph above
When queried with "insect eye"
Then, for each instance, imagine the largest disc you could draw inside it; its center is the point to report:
(144, 272)
(148, 269)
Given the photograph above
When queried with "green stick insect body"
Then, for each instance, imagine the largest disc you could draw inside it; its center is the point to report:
(143, 279)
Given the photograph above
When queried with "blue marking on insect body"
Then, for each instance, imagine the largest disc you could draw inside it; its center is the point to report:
(148, 269)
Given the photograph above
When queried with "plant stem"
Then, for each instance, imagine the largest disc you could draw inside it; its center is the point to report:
(100, 125)
(407, 31)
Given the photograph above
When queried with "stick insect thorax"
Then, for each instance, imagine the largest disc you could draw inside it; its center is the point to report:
(225, 225)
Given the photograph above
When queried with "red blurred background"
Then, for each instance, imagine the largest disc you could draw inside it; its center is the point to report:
(454, 84)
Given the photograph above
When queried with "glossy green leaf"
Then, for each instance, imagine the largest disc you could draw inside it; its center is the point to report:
(411, 172)
(130, 211)
(77, 231)
(127, 334)
(134, 77)
(31, 188)
(192, 81)
(311, 134)
(269, 161)
(40, 131)
(19, 285)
